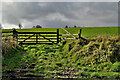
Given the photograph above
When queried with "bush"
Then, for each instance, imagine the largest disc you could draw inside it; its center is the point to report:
(38, 26)
(7, 45)
(66, 26)
(95, 75)
(116, 67)
(105, 66)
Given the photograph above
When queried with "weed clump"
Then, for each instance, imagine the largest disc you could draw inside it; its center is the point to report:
(116, 67)
(7, 45)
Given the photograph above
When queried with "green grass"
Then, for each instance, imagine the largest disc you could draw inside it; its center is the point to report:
(89, 32)
(98, 58)
(94, 31)
(37, 30)
(13, 59)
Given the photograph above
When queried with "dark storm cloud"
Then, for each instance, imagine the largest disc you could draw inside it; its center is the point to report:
(59, 14)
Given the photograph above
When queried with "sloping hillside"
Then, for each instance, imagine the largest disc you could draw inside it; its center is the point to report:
(94, 58)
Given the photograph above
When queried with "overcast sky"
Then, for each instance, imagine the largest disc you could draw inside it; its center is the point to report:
(59, 14)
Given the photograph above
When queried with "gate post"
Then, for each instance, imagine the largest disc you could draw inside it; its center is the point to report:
(15, 35)
(57, 35)
(36, 38)
(79, 34)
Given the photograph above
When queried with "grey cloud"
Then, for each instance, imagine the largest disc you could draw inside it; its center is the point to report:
(57, 23)
(60, 0)
(72, 13)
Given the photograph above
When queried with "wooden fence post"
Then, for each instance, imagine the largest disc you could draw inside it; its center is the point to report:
(57, 35)
(79, 34)
(15, 35)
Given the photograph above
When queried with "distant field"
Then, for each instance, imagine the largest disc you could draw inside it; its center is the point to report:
(95, 31)
(86, 31)
(37, 30)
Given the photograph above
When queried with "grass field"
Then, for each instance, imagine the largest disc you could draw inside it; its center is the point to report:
(89, 32)
(95, 31)
(91, 58)
(98, 58)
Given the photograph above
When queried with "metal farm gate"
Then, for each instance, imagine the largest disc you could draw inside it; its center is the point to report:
(32, 38)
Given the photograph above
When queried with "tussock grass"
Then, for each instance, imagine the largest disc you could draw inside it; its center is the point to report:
(7, 45)
(76, 58)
